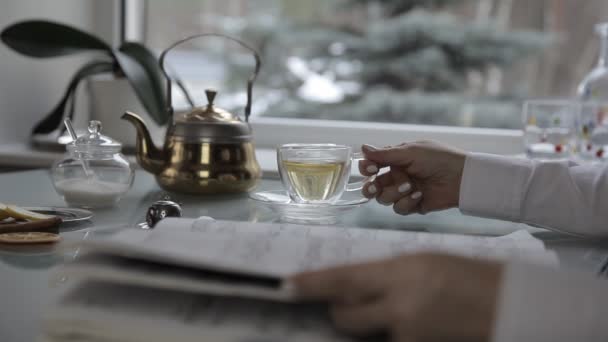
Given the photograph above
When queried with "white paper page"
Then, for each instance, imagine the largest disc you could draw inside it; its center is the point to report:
(347, 244)
(280, 250)
(127, 271)
(110, 312)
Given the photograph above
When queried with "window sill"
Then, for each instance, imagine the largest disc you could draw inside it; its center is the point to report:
(271, 132)
(22, 156)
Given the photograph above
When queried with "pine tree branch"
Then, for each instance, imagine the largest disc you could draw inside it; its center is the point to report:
(426, 69)
(469, 45)
(394, 8)
(318, 39)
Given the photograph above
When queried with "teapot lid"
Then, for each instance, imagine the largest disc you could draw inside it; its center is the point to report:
(211, 122)
(94, 141)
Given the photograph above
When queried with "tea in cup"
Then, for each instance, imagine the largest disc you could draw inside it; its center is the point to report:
(317, 173)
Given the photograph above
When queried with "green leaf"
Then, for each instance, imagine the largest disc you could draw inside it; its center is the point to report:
(40, 38)
(142, 71)
(150, 63)
(53, 120)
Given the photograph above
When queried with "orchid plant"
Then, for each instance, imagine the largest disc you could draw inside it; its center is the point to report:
(132, 60)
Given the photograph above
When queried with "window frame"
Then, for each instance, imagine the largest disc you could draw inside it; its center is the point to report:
(268, 132)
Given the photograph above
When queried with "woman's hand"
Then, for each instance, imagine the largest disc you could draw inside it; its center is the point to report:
(423, 176)
(421, 297)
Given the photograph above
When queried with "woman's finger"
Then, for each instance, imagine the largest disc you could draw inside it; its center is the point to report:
(373, 189)
(370, 190)
(391, 194)
(387, 156)
(408, 204)
(401, 186)
(368, 167)
(384, 179)
(362, 318)
(346, 284)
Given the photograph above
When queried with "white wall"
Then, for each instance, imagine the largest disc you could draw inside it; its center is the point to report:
(29, 88)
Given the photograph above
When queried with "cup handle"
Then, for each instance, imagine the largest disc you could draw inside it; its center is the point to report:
(355, 186)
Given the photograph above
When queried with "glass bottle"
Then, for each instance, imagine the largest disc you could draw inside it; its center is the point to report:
(593, 117)
(594, 86)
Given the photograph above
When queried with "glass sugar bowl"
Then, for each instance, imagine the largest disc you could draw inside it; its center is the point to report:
(93, 173)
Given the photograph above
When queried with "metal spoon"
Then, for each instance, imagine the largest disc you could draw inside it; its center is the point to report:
(68, 124)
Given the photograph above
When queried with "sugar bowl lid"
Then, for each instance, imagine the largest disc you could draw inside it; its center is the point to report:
(94, 141)
(211, 123)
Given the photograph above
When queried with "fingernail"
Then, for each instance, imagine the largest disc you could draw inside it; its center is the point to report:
(372, 189)
(404, 187)
(416, 195)
(368, 148)
(371, 169)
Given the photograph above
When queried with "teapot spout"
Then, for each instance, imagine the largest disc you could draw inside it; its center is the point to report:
(149, 157)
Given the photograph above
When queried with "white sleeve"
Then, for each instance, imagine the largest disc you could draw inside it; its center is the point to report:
(554, 195)
(549, 305)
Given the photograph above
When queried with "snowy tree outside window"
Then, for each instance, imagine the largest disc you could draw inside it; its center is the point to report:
(439, 62)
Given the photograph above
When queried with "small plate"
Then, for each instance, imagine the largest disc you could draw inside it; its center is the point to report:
(279, 202)
(66, 214)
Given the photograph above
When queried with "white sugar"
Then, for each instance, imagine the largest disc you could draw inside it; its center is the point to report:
(90, 193)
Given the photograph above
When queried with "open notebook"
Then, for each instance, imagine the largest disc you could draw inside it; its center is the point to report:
(253, 259)
(232, 273)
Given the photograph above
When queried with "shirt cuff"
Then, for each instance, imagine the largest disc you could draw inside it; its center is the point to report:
(544, 304)
(493, 186)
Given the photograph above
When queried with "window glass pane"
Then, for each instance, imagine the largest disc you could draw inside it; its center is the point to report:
(460, 63)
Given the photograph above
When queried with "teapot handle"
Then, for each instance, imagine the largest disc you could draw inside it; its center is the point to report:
(254, 75)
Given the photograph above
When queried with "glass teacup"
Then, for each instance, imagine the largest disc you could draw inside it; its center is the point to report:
(317, 173)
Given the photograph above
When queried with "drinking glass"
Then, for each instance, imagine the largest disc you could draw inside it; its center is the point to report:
(317, 173)
(549, 128)
(593, 132)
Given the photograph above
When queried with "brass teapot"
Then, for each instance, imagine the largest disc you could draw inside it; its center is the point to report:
(207, 150)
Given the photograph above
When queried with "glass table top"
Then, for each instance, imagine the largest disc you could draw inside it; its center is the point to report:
(29, 281)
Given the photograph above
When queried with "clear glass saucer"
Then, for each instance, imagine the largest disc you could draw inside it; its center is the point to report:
(279, 202)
